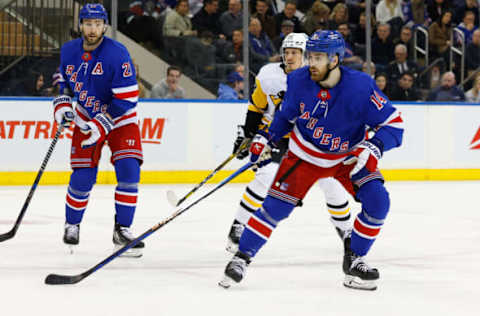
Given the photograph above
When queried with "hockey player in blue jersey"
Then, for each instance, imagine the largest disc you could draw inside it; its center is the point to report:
(327, 108)
(98, 73)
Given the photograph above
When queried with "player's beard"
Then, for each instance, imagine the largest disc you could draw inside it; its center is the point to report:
(317, 74)
(92, 41)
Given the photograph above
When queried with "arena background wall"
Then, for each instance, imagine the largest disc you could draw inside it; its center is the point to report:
(184, 140)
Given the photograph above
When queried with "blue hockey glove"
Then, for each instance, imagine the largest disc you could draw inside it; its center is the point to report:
(368, 153)
(98, 128)
(63, 110)
(261, 149)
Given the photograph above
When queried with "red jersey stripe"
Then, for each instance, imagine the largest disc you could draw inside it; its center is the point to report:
(314, 153)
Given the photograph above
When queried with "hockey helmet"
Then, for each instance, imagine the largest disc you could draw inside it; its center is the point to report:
(330, 42)
(294, 40)
(93, 11)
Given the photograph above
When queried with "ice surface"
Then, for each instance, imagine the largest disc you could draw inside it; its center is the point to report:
(428, 254)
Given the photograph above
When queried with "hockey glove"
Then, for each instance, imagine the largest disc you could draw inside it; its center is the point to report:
(98, 128)
(238, 142)
(368, 153)
(63, 110)
(261, 149)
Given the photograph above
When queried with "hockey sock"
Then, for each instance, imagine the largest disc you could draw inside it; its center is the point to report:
(250, 202)
(255, 192)
(367, 225)
(262, 223)
(340, 215)
(81, 183)
(126, 192)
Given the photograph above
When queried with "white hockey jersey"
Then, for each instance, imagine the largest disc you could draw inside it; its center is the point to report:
(270, 87)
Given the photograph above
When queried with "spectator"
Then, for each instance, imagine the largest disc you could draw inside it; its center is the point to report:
(259, 40)
(401, 64)
(467, 5)
(406, 39)
(472, 53)
(468, 26)
(404, 89)
(439, 34)
(473, 95)
(288, 13)
(232, 19)
(177, 23)
(349, 59)
(207, 19)
(372, 69)
(233, 89)
(316, 18)
(360, 31)
(355, 8)
(233, 51)
(390, 11)
(287, 28)
(386, 10)
(268, 22)
(339, 15)
(33, 86)
(448, 90)
(168, 88)
(381, 80)
(240, 69)
(382, 47)
(436, 8)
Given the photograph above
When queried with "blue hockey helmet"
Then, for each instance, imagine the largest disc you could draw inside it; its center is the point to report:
(330, 42)
(93, 11)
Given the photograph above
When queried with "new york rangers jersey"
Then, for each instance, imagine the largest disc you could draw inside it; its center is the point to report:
(102, 80)
(328, 123)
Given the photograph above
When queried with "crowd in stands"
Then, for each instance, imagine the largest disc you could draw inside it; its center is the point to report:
(203, 39)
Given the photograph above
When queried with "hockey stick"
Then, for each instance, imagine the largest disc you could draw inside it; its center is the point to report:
(55, 279)
(13, 231)
(171, 196)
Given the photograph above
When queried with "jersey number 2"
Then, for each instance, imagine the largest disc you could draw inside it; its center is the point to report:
(127, 71)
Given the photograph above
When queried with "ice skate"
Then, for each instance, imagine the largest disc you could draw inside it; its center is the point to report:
(235, 270)
(358, 274)
(122, 236)
(71, 236)
(234, 236)
(343, 233)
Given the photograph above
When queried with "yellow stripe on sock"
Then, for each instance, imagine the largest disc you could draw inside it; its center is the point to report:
(339, 212)
(251, 202)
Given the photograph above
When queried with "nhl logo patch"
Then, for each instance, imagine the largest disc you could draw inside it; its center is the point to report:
(323, 95)
(86, 56)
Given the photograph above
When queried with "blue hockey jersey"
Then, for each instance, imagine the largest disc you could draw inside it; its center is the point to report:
(329, 123)
(102, 80)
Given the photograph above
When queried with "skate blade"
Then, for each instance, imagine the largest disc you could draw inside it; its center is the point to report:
(226, 282)
(232, 247)
(355, 282)
(130, 253)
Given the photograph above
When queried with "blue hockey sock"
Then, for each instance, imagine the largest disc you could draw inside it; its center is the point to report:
(262, 223)
(367, 225)
(81, 183)
(126, 192)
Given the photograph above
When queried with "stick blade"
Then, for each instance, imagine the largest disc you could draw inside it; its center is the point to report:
(6, 236)
(172, 198)
(58, 279)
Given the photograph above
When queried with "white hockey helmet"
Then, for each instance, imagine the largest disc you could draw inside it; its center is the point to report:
(295, 40)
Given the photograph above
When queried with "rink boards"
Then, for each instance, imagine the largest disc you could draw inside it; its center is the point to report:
(184, 140)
